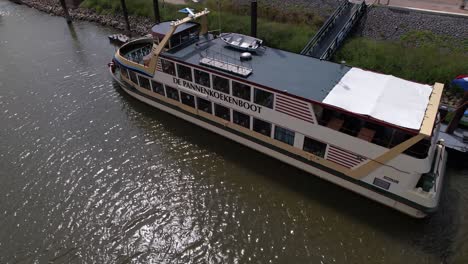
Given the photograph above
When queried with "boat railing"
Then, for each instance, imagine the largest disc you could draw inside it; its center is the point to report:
(225, 63)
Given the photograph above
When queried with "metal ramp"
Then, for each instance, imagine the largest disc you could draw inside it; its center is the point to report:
(334, 31)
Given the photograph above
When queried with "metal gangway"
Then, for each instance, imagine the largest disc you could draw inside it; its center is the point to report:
(332, 34)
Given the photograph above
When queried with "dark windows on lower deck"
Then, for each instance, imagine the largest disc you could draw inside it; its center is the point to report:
(204, 105)
(223, 112)
(158, 87)
(284, 135)
(241, 119)
(262, 127)
(187, 99)
(144, 82)
(315, 147)
(133, 77)
(172, 93)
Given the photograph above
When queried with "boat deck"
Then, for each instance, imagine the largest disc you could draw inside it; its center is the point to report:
(277, 69)
(455, 140)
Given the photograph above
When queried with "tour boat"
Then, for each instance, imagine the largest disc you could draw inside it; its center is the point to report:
(371, 133)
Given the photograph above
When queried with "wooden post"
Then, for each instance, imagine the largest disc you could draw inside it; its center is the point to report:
(253, 18)
(65, 11)
(157, 16)
(458, 114)
(125, 14)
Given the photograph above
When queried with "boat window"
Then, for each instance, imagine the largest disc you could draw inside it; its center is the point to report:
(184, 72)
(241, 90)
(315, 147)
(168, 67)
(158, 88)
(133, 77)
(202, 78)
(144, 82)
(187, 99)
(124, 72)
(223, 112)
(262, 127)
(241, 119)
(419, 150)
(172, 93)
(284, 135)
(264, 98)
(221, 84)
(204, 105)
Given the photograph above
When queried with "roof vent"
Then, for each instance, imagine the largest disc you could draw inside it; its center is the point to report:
(245, 56)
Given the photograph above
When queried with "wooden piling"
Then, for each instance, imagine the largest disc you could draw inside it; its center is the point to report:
(253, 18)
(157, 16)
(65, 11)
(125, 14)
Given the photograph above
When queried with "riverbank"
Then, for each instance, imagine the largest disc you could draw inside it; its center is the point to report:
(426, 48)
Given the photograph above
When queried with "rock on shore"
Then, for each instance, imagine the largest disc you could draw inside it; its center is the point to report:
(386, 23)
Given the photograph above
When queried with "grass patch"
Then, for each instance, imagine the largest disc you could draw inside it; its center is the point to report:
(418, 56)
(273, 26)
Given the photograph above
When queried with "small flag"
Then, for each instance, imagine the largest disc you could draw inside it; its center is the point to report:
(187, 11)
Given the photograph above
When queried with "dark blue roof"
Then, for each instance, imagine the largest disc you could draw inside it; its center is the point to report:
(164, 27)
(277, 69)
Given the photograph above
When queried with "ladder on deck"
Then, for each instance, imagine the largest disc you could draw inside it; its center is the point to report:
(334, 31)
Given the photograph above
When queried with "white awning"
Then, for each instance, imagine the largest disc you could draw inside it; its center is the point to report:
(380, 96)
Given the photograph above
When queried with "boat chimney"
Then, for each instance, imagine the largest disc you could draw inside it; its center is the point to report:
(253, 18)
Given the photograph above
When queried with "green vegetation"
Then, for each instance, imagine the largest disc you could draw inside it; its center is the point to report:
(274, 27)
(418, 56)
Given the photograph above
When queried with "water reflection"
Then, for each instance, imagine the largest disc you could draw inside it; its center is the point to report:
(90, 175)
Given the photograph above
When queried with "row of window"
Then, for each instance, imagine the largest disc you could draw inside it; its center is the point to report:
(263, 127)
(218, 83)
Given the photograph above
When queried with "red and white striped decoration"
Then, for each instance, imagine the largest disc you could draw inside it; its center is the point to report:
(343, 157)
(158, 65)
(293, 107)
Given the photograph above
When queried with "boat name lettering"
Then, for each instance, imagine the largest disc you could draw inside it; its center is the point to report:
(218, 95)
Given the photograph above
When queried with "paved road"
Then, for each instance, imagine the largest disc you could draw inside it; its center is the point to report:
(449, 6)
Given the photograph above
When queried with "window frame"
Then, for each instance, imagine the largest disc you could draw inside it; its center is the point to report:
(195, 71)
(266, 122)
(270, 105)
(146, 79)
(243, 85)
(167, 87)
(213, 78)
(180, 68)
(234, 113)
(183, 95)
(161, 85)
(285, 133)
(316, 153)
(163, 61)
(198, 105)
(225, 108)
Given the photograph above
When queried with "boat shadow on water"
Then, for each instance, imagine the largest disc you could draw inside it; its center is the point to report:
(434, 234)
